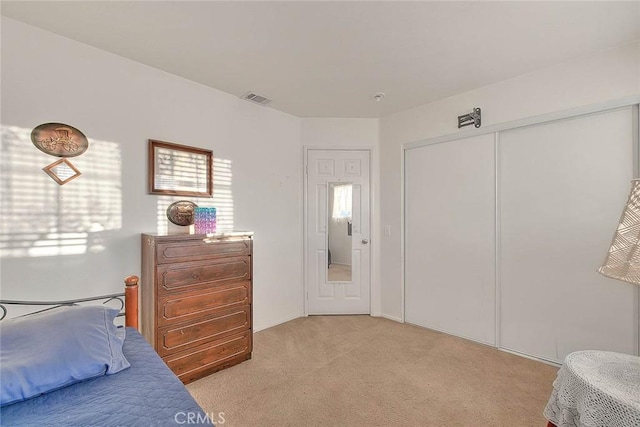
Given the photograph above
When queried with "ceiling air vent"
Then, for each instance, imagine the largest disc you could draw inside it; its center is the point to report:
(255, 98)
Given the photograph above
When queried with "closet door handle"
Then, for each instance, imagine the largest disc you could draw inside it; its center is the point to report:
(365, 241)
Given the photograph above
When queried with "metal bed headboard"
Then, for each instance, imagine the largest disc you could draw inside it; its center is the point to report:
(106, 299)
(127, 302)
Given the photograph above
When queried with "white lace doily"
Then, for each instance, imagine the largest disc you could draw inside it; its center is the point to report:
(596, 389)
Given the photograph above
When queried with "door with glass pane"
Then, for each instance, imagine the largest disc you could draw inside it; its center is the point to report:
(337, 232)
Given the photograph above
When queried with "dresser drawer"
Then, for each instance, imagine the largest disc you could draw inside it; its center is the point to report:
(194, 250)
(172, 339)
(184, 307)
(202, 275)
(195, 363)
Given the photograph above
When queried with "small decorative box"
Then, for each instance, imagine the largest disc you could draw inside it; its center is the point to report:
(205, 220)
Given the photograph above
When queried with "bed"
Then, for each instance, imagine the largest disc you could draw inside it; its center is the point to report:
(145, 394)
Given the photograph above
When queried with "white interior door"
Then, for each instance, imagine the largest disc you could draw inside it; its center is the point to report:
(449, 237)
(562, 188)
(504, 234)
(337, 232)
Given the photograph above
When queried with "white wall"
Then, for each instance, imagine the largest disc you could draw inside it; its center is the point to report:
(119, 104)
(609, 75)
(354, 133)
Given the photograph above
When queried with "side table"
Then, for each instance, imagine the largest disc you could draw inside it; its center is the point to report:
(596, 388)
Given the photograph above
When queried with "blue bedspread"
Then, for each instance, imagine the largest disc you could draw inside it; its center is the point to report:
(147, 394)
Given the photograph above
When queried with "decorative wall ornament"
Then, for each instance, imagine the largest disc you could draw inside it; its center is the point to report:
(59, 139)
(181, 212)
(62, 171)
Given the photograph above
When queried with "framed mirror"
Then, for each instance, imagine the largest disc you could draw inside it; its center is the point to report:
(339, 232)
(180, 170)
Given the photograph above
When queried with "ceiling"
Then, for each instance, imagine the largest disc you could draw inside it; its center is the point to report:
(327, 59)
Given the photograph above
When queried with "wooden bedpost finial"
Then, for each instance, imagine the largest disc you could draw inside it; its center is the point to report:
(131, 280)
(131, 301)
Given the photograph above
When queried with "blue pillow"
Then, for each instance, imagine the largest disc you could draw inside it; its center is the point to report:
(46, 351)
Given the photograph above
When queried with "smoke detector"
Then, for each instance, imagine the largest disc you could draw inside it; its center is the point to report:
(377, 96)
(255, 98)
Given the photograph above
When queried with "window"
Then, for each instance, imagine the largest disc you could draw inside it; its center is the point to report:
(342, 201)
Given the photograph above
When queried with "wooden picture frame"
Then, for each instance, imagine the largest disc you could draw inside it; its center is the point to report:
(180, 170)
(62, 171)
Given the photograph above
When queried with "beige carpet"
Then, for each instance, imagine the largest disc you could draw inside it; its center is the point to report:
(365, 371)
(339, 273)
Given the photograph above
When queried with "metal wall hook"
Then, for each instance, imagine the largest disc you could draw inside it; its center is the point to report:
(473, 118)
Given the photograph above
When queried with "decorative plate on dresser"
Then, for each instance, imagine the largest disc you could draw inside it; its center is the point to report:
(197, 300)
(181, 212)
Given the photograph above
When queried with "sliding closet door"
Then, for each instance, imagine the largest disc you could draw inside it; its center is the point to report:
(449, 237)
(562, 187)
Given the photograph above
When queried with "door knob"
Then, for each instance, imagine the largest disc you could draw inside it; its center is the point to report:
(365, 241)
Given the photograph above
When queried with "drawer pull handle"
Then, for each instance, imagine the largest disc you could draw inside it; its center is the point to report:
(195, 276)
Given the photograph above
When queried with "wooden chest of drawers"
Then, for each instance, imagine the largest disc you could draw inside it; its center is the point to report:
(196, 301)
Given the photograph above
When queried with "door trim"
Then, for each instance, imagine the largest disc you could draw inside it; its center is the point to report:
(372, 232)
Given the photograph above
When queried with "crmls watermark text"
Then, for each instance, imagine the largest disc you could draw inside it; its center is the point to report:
(199, 418)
